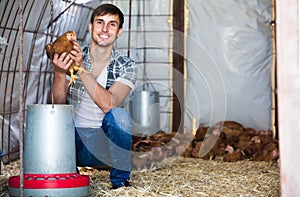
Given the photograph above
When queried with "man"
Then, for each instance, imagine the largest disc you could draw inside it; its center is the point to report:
(102, 130)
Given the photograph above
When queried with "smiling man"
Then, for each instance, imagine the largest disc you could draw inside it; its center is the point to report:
(102, 128)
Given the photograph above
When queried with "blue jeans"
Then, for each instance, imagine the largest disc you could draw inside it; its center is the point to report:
(109, 145)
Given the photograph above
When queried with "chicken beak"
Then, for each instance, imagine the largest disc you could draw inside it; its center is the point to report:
(74, 37)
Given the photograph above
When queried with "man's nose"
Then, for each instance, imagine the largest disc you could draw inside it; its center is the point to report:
(105, 28)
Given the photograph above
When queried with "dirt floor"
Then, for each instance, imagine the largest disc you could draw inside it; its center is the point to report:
(182, 177)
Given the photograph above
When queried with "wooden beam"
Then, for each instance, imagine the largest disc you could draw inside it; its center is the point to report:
(178, 65)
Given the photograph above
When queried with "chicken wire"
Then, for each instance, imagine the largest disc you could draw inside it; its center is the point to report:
(147, 18)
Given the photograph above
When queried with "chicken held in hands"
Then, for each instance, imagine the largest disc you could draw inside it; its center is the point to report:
(62, 44)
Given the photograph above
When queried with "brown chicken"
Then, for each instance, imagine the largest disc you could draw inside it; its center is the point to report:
(63, 44)
(184, 149)
(204, 154)
(211, 146)
(201, 132)
(268, 152)
(162, 136)
(232, 129)
(232, 155)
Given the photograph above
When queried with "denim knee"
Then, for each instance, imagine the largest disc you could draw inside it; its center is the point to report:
(118, 116)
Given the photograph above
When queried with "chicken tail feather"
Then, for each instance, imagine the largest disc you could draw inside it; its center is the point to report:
(49, 51)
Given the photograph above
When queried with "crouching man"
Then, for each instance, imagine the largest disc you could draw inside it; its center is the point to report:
(102, 129)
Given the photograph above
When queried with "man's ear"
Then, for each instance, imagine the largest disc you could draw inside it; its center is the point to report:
(90, 27)
(120, 32)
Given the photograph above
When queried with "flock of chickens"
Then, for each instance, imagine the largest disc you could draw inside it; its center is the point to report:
(228, 141)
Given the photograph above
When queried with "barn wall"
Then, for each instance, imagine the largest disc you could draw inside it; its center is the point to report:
(229, 57)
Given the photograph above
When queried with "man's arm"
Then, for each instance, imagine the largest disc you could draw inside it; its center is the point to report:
(105, 99)
(60, 83)
(59, 89)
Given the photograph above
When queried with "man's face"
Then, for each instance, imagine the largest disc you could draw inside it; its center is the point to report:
(105, 30)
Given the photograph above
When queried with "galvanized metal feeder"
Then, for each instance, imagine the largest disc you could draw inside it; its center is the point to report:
(49, 154)
(145, 111)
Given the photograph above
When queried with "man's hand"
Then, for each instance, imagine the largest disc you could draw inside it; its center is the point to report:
(62, 63)
(76, 54)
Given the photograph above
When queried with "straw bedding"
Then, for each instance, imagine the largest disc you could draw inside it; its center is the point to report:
(182, 177)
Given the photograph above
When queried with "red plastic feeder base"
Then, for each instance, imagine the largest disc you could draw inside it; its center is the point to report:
(50, 181)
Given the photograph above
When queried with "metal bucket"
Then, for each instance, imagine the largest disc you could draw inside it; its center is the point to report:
(49, 140)
(145, 112)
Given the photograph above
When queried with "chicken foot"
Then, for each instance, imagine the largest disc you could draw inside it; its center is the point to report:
(73, 77)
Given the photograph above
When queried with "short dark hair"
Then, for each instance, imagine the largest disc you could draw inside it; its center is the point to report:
(107, 8)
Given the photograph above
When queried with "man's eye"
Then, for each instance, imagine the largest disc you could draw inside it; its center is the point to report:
(113, 24)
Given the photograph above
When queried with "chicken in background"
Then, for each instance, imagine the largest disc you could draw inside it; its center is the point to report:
(201, 132)
(227, 141)
(269, 152)
(211, 146)
(233, 155)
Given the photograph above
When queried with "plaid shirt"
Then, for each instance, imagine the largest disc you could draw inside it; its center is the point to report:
(120, 68)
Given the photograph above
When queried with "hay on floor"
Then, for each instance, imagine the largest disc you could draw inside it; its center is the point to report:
(182, 177)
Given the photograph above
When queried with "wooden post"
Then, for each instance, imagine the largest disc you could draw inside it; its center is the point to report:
(178, 66)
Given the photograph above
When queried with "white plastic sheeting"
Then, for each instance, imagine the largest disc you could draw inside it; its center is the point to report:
(229, 54)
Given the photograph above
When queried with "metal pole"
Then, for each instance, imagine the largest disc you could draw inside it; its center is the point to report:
(145, 51)
(129, 27)
(21, 112)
